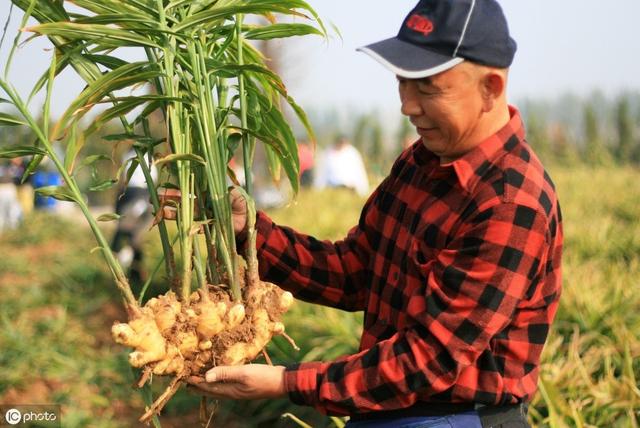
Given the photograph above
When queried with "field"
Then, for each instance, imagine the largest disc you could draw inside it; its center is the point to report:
(57, 306)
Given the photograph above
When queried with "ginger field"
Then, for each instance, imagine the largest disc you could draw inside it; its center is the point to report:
(57, 306)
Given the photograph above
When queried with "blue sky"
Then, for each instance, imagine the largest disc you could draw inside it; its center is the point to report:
(564, 46)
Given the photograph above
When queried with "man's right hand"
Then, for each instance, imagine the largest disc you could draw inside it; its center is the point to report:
(239, 214)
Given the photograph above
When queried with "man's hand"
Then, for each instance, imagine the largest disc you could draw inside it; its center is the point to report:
(249, 382)
(238, 213)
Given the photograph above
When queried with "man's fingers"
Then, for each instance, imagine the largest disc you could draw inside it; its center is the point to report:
(217, 390)
(205, 389)
(225, 374)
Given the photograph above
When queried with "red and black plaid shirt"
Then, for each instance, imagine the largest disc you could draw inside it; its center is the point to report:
(457, 268)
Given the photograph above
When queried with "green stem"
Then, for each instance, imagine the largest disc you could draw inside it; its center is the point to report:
(252, 258)
(202, 281)
(120, 278)
(215, 154)
(162, 227)
(177, 118)
(153, 274)
(246, 145)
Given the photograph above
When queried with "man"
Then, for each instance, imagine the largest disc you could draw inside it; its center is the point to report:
(455, 259)
(10, 211)
(341, 165)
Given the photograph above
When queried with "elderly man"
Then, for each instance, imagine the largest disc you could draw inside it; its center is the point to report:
(455, 259)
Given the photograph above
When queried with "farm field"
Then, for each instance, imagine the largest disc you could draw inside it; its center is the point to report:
(57, 306)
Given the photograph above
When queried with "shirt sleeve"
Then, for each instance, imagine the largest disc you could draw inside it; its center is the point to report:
(470, 293)
(328, 273)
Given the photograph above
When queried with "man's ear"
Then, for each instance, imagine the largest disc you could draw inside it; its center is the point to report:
(492, 86)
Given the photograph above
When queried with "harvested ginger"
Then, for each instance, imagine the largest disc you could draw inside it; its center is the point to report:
(171, 338)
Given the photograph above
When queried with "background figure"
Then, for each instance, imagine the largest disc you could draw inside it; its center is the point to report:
(341, 166)
(10, 211)
(135, 218)
(24, 190)
(305, 154)
(44, 178)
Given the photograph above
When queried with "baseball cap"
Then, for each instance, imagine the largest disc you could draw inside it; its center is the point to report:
(439, 34)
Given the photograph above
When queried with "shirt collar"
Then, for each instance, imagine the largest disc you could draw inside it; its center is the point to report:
(470, 167)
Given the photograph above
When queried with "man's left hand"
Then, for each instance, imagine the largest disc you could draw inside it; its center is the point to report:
(248, 382)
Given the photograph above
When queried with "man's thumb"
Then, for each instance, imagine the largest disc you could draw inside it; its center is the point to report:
(220, 374)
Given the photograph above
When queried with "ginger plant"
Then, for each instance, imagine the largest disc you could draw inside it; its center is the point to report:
(217, 98)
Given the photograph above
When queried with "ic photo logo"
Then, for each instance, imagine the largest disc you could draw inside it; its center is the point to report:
(42, 415)
(13, 416)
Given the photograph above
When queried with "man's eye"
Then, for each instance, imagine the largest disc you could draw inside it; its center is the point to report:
(428, 90)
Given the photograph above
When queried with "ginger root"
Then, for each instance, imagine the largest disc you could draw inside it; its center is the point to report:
(172, 338)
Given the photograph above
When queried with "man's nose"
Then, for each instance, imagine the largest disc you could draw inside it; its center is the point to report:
(410, 103)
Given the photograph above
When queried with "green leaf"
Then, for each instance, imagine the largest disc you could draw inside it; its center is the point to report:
(108, 217)
(273, 162)
(294, 4)
(104, 35)
(278, 134)
(212, 17)
(123, 77)
(124, 106)
(108, 61)
(180, 157)
(135, 7)
(35, 162)
(277, 31)
(135, 163)
(125, 137)
(103, 185)
(129, 21)
(148, 110)
(233, 141)
(9, 120)
(60, 193)
(302, 116)
(19, 151)
(92, 159)
(75, 143)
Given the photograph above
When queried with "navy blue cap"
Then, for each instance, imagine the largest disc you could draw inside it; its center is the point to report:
(439, 34)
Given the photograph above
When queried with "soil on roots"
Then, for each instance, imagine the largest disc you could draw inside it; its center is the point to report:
(170, 337)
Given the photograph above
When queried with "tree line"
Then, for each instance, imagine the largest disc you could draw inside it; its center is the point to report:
(593, 129)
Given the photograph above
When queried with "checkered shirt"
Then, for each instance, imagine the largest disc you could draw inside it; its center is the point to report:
(457, 270)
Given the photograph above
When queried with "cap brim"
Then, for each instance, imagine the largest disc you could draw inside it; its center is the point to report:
(407, 60)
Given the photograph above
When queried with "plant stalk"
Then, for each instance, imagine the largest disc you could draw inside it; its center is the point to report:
(246, 145)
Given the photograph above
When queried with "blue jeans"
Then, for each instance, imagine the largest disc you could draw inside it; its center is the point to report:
(458, 420)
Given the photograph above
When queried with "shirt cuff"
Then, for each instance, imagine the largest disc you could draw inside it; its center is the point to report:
(301, 383)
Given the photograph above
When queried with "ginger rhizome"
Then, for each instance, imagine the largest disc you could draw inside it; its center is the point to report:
(169, 337)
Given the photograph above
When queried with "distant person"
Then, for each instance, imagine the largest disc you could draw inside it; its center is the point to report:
(10, 210)
(341, 165)
(24, 189)
(46, 176)
(306, 157)
(136, 216)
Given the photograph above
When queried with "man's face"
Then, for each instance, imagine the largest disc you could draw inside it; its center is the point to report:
(445, 109)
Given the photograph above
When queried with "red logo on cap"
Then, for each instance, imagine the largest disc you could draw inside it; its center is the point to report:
(420, 24)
